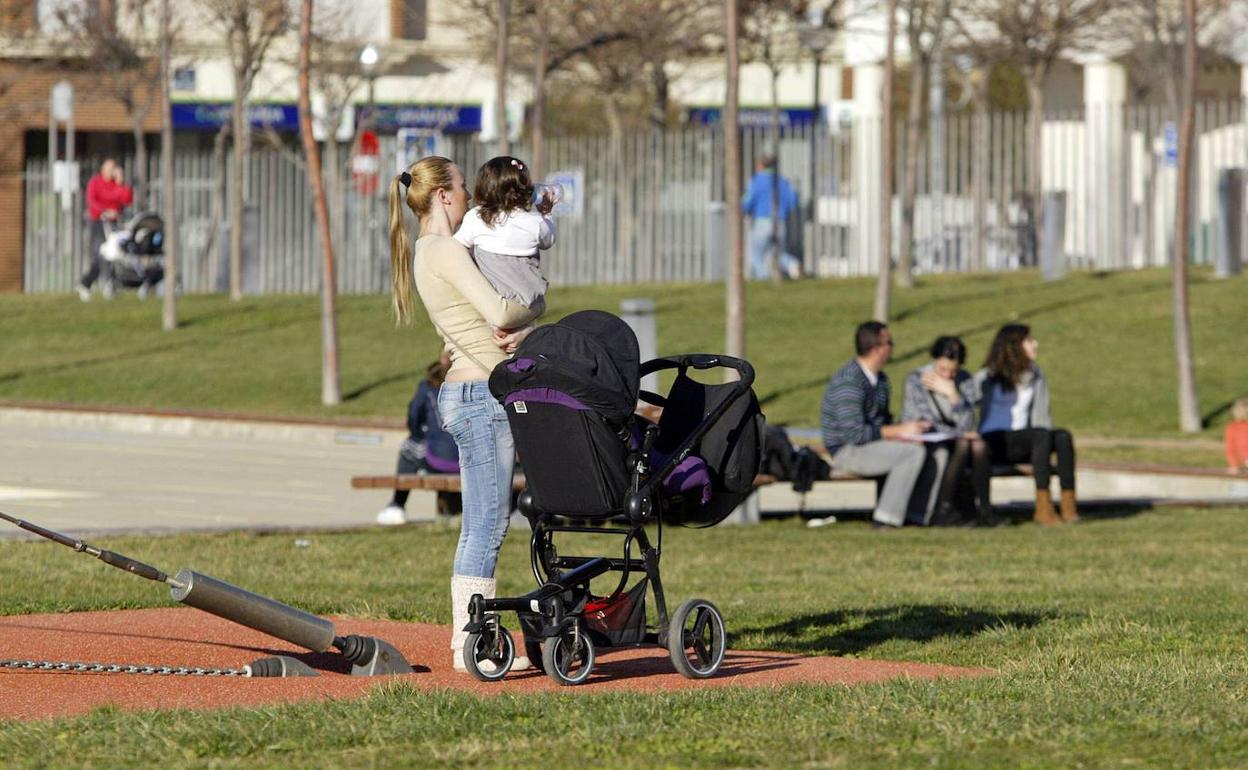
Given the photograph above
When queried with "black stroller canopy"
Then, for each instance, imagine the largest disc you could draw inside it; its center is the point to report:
(591, 356)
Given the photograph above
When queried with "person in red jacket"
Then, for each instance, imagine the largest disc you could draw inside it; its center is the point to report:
(1236, 438)
(107, 196)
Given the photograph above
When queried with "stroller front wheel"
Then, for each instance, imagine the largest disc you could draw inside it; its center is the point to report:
(567, 658)
(696, 639)
(488, 656)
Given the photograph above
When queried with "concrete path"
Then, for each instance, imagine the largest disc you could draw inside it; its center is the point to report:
(83, 473)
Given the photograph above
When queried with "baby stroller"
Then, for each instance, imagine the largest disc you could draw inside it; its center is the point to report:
(593, 467)
(135, 253)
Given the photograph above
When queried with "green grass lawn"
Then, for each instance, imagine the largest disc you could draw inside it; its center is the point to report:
(1117, 643)
(1105, 343)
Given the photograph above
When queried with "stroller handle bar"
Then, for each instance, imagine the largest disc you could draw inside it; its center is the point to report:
(702, 362)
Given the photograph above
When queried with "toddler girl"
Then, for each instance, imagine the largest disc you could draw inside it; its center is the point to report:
(506, 230)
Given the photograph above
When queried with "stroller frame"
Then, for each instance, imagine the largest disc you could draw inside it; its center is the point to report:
(553, 614)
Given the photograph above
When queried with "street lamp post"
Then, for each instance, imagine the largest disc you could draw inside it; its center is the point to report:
(815, 37)
(369, 58)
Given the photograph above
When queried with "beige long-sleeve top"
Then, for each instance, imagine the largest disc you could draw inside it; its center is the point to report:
(463, 304)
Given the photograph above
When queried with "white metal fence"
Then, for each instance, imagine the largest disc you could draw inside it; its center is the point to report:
(651, 208)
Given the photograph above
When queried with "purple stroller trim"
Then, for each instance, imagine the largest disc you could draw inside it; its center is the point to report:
(520, 365)
(441, 465)
(689, 475)
(545, 396)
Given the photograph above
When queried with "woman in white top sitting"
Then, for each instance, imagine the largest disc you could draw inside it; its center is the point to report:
(479, 328)
(1016, 423)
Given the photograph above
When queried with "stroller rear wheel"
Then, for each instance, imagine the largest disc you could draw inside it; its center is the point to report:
(488, 654)
(568, 658)
(696, 640)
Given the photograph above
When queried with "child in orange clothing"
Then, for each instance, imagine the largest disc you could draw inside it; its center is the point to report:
(1237, 438)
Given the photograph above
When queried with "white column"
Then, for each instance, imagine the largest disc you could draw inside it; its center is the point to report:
(1104, 99)
(868, 114)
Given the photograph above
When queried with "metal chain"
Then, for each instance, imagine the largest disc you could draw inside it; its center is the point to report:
(119, 668)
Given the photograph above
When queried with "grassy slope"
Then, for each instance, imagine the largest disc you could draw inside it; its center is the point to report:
(1105, 341)
(1118, 643)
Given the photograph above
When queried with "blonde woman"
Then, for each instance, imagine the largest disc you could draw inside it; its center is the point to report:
(479, 328)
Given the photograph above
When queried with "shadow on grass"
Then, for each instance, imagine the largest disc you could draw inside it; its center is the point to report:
(847, 632)
(146, 353)
(1217, 412)
(407, 376)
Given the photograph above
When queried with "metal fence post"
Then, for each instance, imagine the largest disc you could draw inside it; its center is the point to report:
(1053, 237)
(638, 313)
(1229, 254)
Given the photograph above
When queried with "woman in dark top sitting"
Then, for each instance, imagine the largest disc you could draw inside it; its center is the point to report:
(1016, 423)
(943, 393)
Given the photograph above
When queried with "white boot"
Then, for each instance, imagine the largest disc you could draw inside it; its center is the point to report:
(463, 588)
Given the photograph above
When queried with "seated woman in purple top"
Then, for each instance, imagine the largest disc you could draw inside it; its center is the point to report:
(1016, 423)
(427, 448)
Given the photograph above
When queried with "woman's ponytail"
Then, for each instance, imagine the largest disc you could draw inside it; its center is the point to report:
(400, 255)
(414, 187)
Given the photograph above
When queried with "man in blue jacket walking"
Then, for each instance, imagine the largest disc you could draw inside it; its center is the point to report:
(757, 206)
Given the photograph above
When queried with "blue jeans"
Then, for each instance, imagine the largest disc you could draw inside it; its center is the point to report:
(487, 456)
(760, 250)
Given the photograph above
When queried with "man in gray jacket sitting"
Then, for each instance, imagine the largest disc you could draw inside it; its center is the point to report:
(857, 426)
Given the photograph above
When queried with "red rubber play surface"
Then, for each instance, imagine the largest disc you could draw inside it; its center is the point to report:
(186, 637)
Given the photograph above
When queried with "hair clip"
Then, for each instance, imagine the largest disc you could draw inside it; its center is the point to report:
(405, 179)
(517, 164)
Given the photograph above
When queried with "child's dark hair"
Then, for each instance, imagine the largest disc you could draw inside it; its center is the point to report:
(435, 372)
(949, 347)
(503, 185)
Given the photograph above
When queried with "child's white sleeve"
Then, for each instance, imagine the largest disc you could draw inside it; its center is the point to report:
(546, 233)
(469, 229)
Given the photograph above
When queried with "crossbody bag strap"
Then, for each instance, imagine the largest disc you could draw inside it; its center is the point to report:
(457, 346)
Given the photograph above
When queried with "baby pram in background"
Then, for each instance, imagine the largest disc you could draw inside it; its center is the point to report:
(570, 395)
(135, 253)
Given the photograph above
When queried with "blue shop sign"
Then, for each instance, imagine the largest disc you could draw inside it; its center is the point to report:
(209, 116)
(447, 118)
(754, 117)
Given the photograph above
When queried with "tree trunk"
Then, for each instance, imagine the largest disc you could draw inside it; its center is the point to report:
(500, 76)
(661, 85)
(168, 188)
(237, 171)
(141, 200)
(1035, 159)
(1189, 404)
(883, 285)
(979, 177)
(330, 393)
(335, 191)
(538, 128)
(621, 188)
(916, 131)
(773, 256)
(735, 300)
(210, 267)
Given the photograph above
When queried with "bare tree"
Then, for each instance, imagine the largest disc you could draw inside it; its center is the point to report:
(926, 26)
(500, 76)
(168, 189)
(883, 285)
(1156, 30)
(117, 37)
(735, 310)
(249, 28)
(1189, 404)
(330, 393)
(1032, 34)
